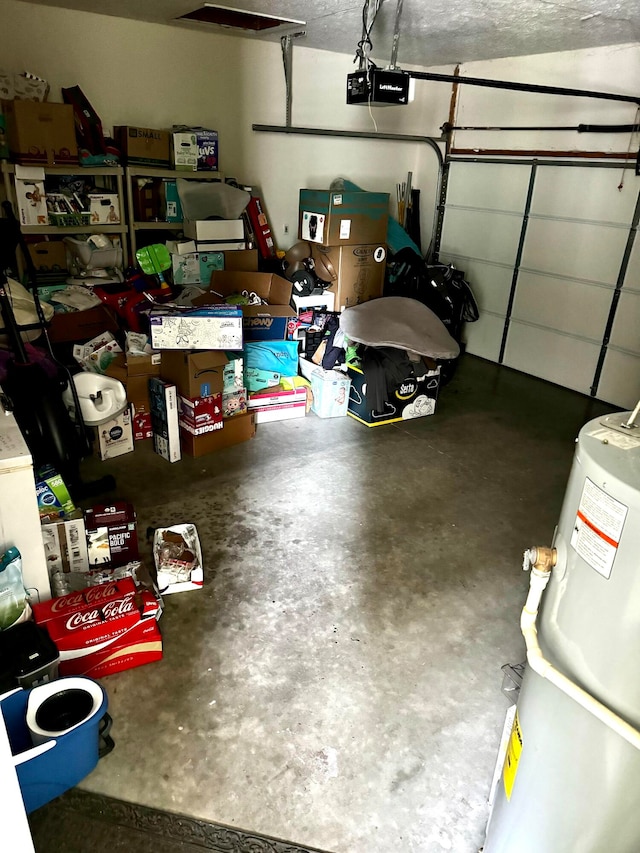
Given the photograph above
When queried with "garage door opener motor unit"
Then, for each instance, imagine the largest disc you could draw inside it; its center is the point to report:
(378, 87)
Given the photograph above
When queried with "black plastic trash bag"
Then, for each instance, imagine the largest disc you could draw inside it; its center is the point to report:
(441, 287)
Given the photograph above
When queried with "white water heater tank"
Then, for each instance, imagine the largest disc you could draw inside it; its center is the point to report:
(569, 783)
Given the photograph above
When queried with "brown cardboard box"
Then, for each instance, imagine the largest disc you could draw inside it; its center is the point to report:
(348, 218)
(80, 326)
(270, 287)
(241, 260)
(49, 255)
(144, 145)
(360, 272)
(124, 367)
(235, 430)
(41, 132)
(138, 393)
(195, 374)
(134, 373)
(148, 203)
(259, 322)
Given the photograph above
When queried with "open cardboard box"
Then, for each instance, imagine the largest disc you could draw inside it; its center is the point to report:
(260, 322)
(123, 367)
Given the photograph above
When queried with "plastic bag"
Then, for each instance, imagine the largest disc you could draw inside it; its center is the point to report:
(441, 287)
(178, 558)
(24, 310)
(14, 606)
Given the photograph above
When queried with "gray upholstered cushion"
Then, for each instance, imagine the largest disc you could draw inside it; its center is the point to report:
(396, 321)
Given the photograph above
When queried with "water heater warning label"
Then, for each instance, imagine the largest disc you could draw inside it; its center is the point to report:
(512, 758)
(598, 528)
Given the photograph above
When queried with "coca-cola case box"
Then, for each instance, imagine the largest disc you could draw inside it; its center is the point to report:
(112, 538)
(103, 629)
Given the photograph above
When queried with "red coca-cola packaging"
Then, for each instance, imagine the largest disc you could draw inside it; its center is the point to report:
(84, 599)
(103, 629)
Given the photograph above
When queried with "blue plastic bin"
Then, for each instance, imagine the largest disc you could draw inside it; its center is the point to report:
(58, 762)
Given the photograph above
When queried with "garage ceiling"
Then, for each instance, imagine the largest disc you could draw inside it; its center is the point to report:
(433, 32)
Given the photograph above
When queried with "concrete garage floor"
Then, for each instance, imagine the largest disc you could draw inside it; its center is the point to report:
(337, 681)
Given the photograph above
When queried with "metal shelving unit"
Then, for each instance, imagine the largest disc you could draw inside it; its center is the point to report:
(114, 172)
(133, 172)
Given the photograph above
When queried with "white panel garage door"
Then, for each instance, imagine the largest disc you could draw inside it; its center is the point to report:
(550, 254)
(480, 235)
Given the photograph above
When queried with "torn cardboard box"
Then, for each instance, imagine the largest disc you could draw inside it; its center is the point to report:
(260, 322)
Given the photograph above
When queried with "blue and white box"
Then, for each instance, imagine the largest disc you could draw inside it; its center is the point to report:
(330, 390)
(203, 327)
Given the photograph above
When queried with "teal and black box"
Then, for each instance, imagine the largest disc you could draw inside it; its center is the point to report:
(343, 218)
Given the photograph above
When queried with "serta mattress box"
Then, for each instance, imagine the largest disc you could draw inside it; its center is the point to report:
(414, 397)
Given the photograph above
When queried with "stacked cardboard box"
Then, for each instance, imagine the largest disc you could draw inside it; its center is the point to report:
(269, 320)
(349, 231)
(40, 133)
(195, 148)
(143, 145)
(103, 629)
(211, 399)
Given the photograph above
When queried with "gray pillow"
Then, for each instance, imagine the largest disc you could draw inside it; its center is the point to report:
(396, 321)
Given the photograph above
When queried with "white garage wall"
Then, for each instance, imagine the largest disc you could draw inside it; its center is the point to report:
(609, 69)
(156, 75)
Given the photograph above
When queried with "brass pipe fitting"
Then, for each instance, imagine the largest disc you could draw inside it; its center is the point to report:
(541, 558)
